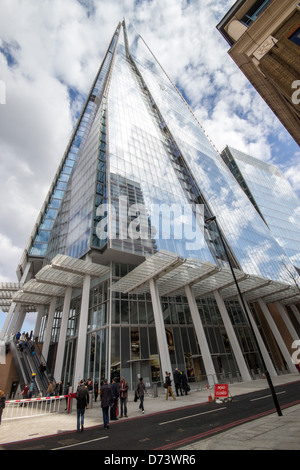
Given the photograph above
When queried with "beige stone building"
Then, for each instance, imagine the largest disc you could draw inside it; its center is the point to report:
(264, 39)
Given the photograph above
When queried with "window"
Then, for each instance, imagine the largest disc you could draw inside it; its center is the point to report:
(254, 11)
(295, 37)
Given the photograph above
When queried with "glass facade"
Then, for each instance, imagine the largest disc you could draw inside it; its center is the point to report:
(145, 179)
(125, 324)
(273, 197)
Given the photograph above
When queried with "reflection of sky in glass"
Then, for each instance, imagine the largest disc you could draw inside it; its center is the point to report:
(253, 244)
(138, 159)
(276, 200)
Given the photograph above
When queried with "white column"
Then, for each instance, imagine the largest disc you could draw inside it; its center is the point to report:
(232, 338)
(160, 330)
(5, 329)
(268, 362)
(295, 312)
(287, 321)
(18, 320)
(62, 334)
(37, 326)
(277, 336)
(81, 338)
(11, 311)
(202, 341)
(48, 330)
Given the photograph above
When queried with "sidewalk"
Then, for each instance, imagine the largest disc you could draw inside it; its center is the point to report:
(270, 432)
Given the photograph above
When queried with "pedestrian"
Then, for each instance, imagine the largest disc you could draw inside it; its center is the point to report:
(42, 368)
(66, 394)
(82, 397)
(185, 384)
(106, 398)
(50, 389)
(123, 388)
(115, 393)
(31, 388)
(25, 394)
(2, 403)
(96, 390)
(141, 390)
(169, 386)
(90, 385)
(177, 381)
(58, 388)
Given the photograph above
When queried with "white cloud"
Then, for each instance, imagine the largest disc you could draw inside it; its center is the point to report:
(9, 256)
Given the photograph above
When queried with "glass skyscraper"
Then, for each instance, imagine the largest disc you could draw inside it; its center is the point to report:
(136, 184)
(272, 196)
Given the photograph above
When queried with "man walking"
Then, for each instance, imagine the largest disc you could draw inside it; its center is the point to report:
(177, 381)
(82, 397)
(106, 398)
(169, 386)
(115, 393)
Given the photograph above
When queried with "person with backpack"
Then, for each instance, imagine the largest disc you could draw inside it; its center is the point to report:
(82, 397)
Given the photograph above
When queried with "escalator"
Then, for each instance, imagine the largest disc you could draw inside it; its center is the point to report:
(27, 360)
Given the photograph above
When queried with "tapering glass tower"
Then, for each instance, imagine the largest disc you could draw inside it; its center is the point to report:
(139, 177)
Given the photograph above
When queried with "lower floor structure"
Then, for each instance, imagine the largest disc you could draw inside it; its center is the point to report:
(128, 321)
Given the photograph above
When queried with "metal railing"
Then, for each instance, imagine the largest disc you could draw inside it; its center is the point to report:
(26, 408)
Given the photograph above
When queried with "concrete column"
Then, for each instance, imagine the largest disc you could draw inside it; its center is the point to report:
(18, 320)
(160, 331)
(7, 323)
(81, 338)
(287, 321)
(277, 336)
(295, 312)
(7, 328)
(206, 356)
(268, 362)
(48, 330)
(37, 326)
(232, 338)
(62, 334)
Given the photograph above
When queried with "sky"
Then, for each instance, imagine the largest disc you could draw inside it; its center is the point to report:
(50, 52)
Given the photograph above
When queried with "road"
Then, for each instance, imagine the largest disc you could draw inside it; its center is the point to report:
(167, 430)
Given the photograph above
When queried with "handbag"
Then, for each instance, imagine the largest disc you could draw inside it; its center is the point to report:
(136, 396)
(165, 385)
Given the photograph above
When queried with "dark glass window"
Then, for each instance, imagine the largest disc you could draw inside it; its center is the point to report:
(295, 37)
(255, 11)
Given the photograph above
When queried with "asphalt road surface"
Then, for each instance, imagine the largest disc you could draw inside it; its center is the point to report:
(167, 430)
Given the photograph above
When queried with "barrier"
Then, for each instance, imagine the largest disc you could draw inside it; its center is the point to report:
(29, 407)
(210, 399)
(222, 393)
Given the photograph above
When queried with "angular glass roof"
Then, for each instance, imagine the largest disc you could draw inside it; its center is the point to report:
(172, 274)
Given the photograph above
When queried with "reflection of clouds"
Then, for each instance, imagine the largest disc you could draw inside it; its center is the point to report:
(276, 200)
(138, 152)
(256, 249)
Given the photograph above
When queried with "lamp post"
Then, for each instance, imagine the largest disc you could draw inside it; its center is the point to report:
(213, 219)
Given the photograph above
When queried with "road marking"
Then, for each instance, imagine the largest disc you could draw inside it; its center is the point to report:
(80, 443)
(266, 396)
(191, 416)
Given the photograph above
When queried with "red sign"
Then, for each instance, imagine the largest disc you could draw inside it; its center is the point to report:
(221, 390)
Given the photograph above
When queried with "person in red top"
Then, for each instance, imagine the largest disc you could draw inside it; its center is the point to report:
(25, 393)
